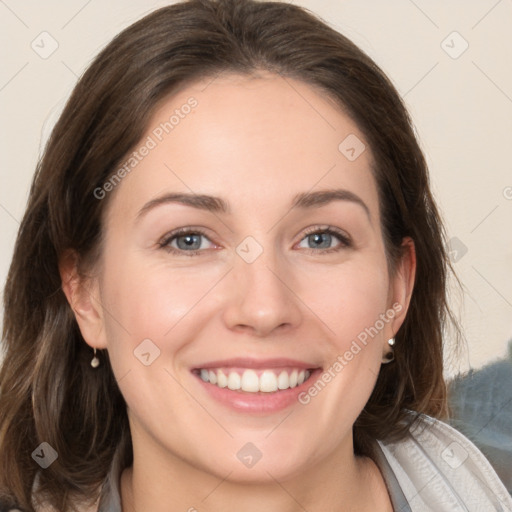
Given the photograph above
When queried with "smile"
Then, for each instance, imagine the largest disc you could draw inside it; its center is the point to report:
(254, 381)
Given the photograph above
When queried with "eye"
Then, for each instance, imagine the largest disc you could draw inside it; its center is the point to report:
(322, 237)
(188, 241)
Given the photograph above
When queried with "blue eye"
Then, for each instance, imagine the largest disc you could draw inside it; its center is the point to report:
(188, 241)
(322, 238)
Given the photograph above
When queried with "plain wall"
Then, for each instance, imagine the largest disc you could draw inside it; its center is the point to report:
(460, 102)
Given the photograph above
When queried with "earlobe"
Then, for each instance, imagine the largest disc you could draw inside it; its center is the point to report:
(83, 299)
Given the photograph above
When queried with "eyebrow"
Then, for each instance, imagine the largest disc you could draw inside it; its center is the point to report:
(304, 200)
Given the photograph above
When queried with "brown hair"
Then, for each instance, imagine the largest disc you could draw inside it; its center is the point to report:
(48, 392)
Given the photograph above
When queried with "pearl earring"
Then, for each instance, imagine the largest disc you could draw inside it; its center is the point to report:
(95, 362)
(389, 356)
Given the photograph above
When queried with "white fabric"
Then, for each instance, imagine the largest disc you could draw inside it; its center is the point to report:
(439, 469)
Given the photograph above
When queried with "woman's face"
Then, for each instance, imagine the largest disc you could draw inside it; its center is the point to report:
(258, 294)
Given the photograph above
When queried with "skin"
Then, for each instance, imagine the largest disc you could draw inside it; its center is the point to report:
(256, 142)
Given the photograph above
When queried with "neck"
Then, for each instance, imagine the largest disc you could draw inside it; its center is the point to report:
(349, 483)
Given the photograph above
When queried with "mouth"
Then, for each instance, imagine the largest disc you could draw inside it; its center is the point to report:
(256, 386)
(252, 380)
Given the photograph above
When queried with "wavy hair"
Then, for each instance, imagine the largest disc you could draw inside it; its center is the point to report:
(48, 392)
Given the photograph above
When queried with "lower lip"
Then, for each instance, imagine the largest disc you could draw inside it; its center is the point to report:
(259, 402)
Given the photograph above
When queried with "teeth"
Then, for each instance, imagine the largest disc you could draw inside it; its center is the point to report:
(283, 381)
(222, 380)
(250, 381)
(268, 382)
(234, 381)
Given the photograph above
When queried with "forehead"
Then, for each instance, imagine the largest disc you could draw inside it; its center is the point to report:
(257, 141)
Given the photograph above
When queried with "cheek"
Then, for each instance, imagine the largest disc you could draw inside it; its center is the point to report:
(348, 298)
(150, 298)
(153, 301)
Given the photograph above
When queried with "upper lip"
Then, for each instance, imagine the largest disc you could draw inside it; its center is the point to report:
(244, 362)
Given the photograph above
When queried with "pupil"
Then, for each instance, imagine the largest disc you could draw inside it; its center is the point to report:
(318, 238)
(189, 240)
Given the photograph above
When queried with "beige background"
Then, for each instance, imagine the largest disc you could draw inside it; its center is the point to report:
(460, 101)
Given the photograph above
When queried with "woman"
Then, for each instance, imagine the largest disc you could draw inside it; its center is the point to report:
(229, 286)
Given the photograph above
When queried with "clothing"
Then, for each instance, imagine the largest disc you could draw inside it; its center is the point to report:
(438, 469)
(434, 469)
(481, 406)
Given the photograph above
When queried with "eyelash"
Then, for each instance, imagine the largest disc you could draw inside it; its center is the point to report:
(165, 242)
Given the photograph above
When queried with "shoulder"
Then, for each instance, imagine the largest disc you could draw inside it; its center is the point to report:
(481, 408)
(438, 467)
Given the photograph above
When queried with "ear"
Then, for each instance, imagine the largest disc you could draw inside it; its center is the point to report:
(83, 297)
(402, 284)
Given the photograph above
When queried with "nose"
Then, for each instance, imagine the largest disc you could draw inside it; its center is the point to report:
(261, 296)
